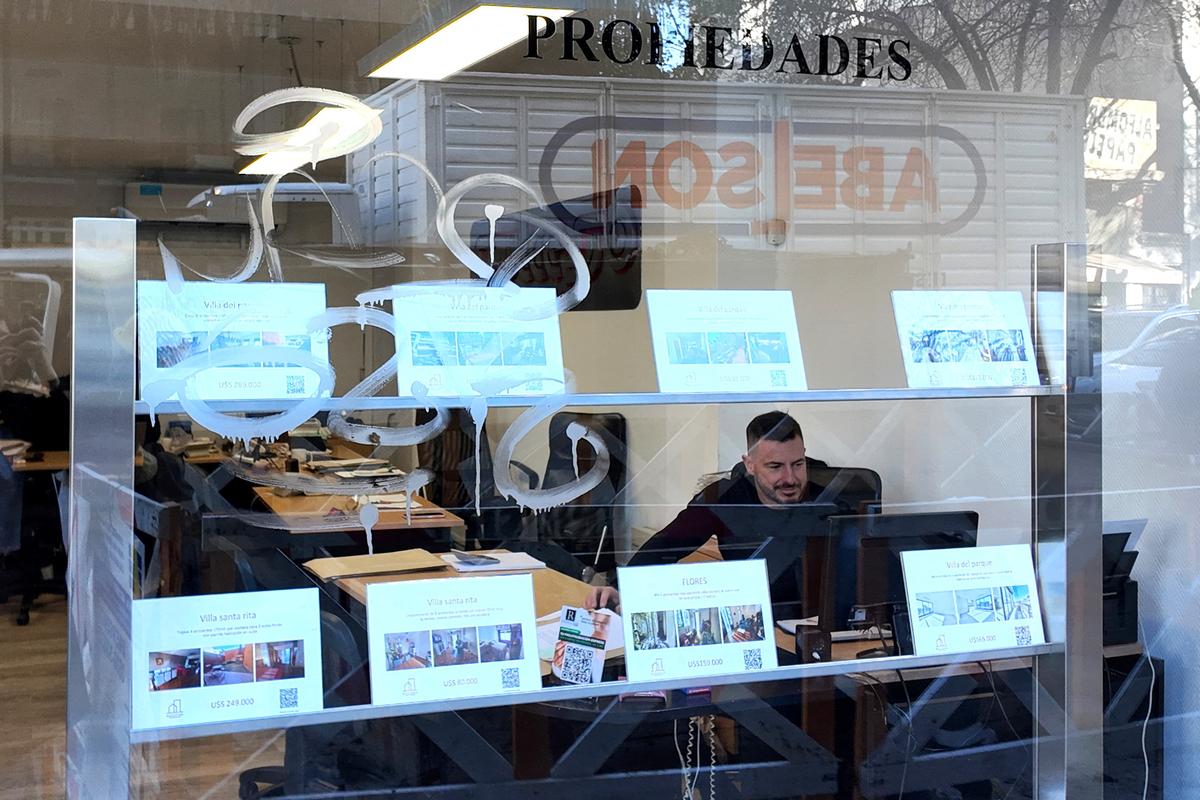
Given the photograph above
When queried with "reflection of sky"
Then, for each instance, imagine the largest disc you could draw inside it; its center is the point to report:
(674, 17)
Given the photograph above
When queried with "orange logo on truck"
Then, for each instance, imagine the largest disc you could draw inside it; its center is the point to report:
(827, 170)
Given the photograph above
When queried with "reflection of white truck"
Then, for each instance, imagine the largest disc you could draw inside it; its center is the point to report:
(965, 182)
(840, 195)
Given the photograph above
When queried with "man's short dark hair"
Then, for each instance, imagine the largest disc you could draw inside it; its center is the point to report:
(774, 426)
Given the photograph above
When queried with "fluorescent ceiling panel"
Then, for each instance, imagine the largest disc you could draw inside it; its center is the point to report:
(468, 39)
(328, 131)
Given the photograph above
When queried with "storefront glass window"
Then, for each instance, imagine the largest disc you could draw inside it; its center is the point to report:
(714, 398)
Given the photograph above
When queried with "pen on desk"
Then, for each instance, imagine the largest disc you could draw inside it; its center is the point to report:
(590, 572)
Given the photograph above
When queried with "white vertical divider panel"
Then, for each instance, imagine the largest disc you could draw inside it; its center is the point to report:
(100, 574)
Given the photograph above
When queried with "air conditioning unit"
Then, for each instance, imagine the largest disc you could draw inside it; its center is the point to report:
(189, 202)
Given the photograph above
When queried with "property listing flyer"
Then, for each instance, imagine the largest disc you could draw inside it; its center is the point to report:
(725, 341)
(692, 620)
(225, 657)
(206, 317)
(450, 337)
(447, 638)
(967, 599)
(964, 339)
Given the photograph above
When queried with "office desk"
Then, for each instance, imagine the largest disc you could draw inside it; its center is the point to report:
(205, 459)
(51, 461)
(425, 514)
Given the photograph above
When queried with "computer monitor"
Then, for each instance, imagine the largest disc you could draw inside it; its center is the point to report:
(864, 566)
(1116, 558)
(783, 535)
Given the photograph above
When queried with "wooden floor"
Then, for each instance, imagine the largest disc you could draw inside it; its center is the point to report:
(33, 688)
(33, 701)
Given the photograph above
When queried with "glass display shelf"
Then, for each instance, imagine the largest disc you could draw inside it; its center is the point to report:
(618, 399)
(946, 663)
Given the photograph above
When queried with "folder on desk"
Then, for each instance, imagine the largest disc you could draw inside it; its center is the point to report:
(416, 560)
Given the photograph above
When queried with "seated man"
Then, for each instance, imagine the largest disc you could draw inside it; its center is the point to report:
(743, 510)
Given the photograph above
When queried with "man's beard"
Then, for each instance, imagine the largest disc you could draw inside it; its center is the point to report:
(772, 495)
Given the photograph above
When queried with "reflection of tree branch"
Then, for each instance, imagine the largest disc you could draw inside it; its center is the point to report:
(980, 48)
(1189, 83)
(1022, 39)
(965, 42)
(1092, 53)
(1054, 29)
(949, 74)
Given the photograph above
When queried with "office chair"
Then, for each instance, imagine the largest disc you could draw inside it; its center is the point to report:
(451, 458)
(41, 536)
(323, 758)
(857, 489)
(576, 529)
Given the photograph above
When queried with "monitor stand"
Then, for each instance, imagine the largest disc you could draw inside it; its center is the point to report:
(895, 615)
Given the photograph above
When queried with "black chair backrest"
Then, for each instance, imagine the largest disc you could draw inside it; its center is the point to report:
(579, 525)
(448, 455)
(611, 429)
(854, 487)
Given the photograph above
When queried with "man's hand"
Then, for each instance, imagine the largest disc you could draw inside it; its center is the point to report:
(602, 597)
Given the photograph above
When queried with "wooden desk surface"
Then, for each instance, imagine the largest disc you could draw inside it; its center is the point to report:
(389, 520)
(51, 461)
(213, 457)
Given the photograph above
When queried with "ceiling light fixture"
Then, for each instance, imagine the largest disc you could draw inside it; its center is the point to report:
(479, 32)
(344, 124)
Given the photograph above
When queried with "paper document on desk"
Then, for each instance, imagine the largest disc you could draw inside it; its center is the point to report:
(13, 447)
(504, 562)
(382, 500)
(383, 472)
(345, 464)
(399, 502)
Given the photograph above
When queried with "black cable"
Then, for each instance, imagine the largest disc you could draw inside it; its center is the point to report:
(1003, 710)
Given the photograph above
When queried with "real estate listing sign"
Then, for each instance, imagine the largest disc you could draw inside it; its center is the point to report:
(967, 599)
(210, 318)
(453, 637)
(725, 341)
(692, 620)
(964, 339)
(452, 338)
(225, 657)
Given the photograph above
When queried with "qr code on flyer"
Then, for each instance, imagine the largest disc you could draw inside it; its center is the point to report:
(1023, 636)
(289, 698)
(577, 664)
(510, 678)
(752, 659)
